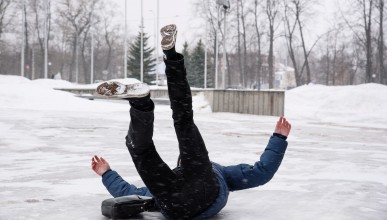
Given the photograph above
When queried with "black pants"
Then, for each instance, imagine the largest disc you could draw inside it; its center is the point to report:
(186, 191)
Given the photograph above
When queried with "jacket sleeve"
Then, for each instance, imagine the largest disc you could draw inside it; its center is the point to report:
(244, 176)
(119, 187)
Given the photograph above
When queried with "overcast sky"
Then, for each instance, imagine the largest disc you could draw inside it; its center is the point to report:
(171, 11)
(182, 13)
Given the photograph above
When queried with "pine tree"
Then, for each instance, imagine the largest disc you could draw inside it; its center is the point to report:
(210, 74)
(186, 54)
(196, 74)
(187, 61)
(134, 60)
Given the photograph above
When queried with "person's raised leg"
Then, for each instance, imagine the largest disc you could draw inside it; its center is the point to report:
(191, 144)
(195, 162)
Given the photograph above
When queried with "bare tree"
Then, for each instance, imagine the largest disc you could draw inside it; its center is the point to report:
(110, 36)
(79, 15)
(364, 35)
(240, 65)
(300, 8)
(39, 9)
(272, 8)
(259, 33)
(381, 45)
(209, 13)
(367, 19)
(243, 20)
(290, 27)
(4, 4)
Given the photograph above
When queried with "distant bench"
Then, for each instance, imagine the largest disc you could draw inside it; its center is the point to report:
(271, 103)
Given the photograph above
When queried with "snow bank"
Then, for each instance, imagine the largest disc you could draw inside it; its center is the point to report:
(337, 103)
(21, 93)
(367, 102)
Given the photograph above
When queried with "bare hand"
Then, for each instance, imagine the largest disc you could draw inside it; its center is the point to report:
(99, 165)
(283, 126)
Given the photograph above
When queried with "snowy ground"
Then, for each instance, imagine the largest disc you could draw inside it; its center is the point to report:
(335, 166)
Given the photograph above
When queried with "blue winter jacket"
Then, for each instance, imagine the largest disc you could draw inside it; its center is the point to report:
(231, 178)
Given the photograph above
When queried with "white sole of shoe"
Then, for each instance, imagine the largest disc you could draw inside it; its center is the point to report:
(115, 89)
(168, 42)
(168, 30)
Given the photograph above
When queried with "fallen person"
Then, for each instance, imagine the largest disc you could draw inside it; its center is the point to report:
(197, 188)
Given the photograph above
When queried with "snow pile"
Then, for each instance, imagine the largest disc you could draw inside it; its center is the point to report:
(21, 93)
(313, 102)
(200, 104)
(337, 103)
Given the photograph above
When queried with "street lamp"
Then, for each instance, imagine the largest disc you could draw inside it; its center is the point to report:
(226, 6)
(155, 44)
(49, 69)
(224, 3)
(142, 41)
(126, 44)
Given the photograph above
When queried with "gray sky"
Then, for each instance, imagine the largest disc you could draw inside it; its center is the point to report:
(171, 11)
(182, 13)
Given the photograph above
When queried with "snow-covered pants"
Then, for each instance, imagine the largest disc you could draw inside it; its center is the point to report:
(186, 191)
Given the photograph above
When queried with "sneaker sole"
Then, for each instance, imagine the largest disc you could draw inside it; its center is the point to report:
(114, 89)
(168, 30)
(168, 42)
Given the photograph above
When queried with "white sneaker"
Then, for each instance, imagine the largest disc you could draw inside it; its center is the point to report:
(168, 33)
(168, 30)
(122, 88)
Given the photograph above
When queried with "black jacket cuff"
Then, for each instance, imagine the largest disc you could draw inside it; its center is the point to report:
(280, 136)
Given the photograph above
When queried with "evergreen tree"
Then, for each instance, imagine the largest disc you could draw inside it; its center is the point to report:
(186, 54)
(134, 60)
(210, 73)
(187, 61)
(196, 74)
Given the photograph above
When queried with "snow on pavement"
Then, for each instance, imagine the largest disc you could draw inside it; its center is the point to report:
(335, 166)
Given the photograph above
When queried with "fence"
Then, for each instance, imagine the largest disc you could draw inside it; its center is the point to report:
(271, 103)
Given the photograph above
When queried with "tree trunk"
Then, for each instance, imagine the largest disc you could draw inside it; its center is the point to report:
(334, 64)
(367, 29)
(27, 45)
(290, 38)
(328, 63)
(38, 31)
(73, 57)
(3, 9)
(382, 71)
(271, 12)
(308, 74)
(259, 57)
(246, 78)
(241, 73)
(86, 75)
(109, 55)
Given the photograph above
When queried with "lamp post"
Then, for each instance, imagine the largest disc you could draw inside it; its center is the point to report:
(46, 39)
(126, 44)
(142, 41)
(23, 40)
(216, 46)
(157, 41)
(226, 6)
(92, 58)
(155, 44)
(49, 69)
(205, 55)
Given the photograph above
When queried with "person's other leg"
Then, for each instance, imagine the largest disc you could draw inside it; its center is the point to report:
(155, 173)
